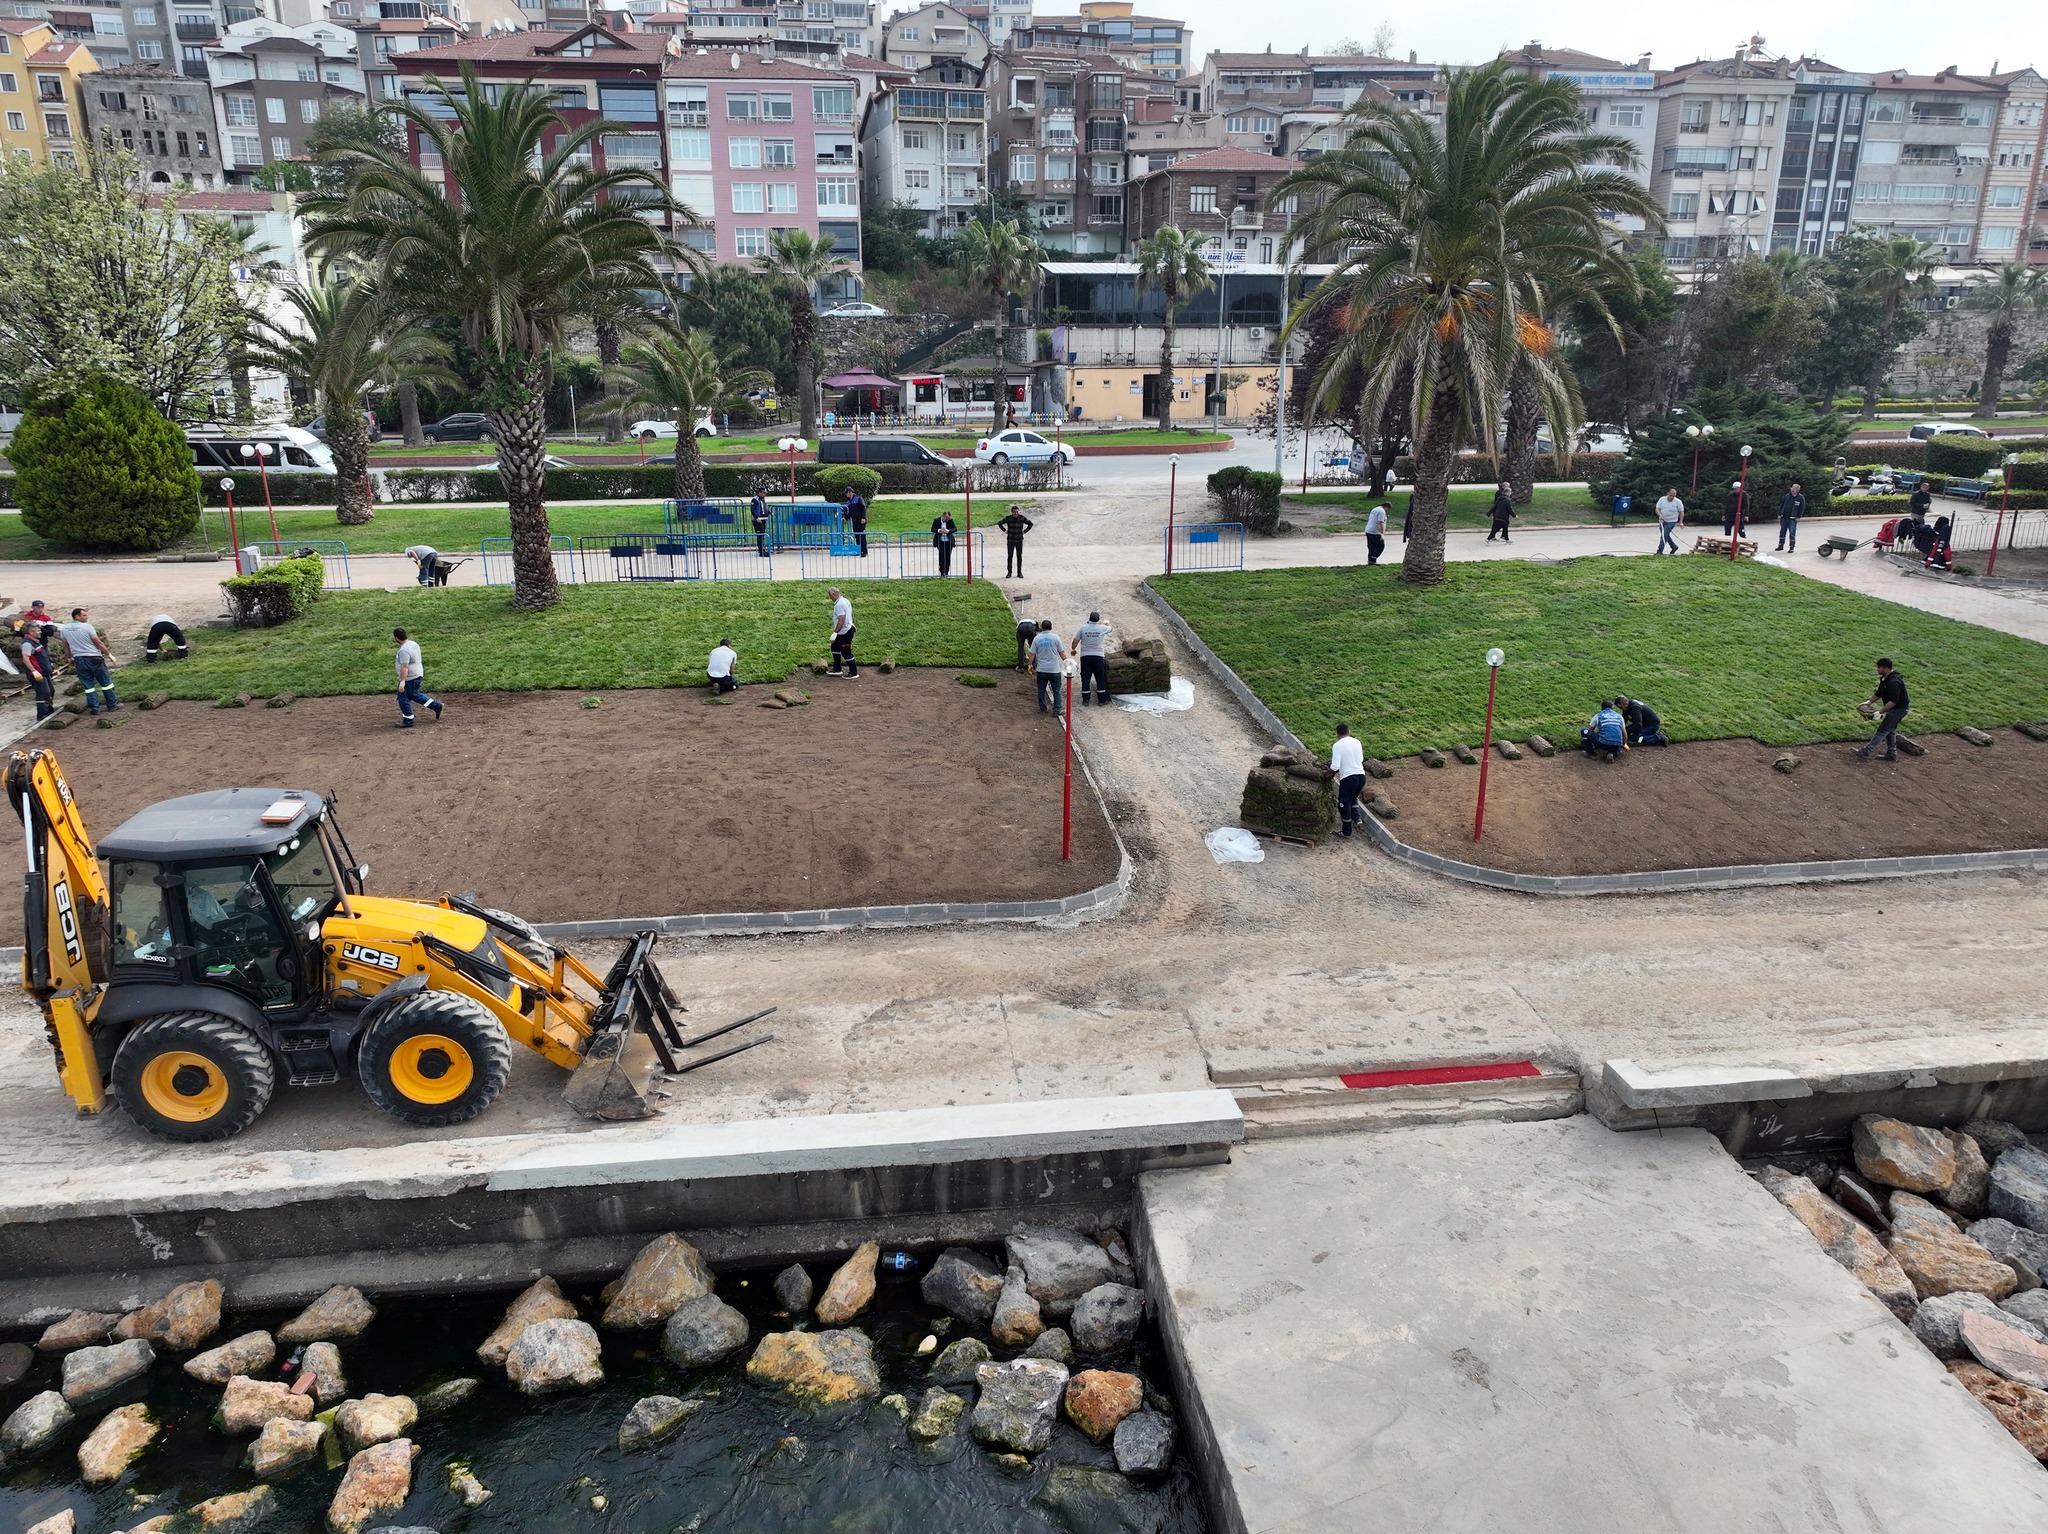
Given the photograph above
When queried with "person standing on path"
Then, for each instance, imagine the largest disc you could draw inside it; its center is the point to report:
(412, 681)
(1892, 704)
(842, 634)
(1091, 644)
(37, 666)
(1376, 533)
(720, 668)
(1790, 510)
(90, 658)
(944, 536)
(1347, 761)
(1670, 517)
(1503, 513)
(758, 508)
(1731, 511)
(1014, 527)
(857, 519)
(1048, 665)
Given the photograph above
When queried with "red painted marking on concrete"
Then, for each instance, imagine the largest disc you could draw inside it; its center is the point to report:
(1438, 1075)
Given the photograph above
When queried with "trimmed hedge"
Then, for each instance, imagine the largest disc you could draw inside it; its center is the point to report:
(1249, 496)
(275, 594)
(1967, 457)
(836, 480)
(1478, 469)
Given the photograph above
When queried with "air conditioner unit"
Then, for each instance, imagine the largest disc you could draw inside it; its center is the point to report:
(1952, 301)
(1258, 332)
(1267, 137)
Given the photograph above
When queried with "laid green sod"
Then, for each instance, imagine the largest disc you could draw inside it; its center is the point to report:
(1553, 506)
(1719, 650)
(600, 637)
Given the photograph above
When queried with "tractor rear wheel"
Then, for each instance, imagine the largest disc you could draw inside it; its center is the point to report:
(525, 937)
(193, 1076)
(435, 1058)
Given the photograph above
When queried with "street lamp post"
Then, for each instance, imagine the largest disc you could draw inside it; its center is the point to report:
(1172, 485)
(792, 446)
(261, 451)
(1493, 659)
(227, 488)
(1700, 435)
(2004, 495)
(1741, 504)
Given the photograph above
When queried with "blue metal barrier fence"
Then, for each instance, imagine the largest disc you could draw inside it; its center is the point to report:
(1205, 546)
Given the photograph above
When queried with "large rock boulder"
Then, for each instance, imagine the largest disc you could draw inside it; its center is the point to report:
(374, 1419)
(447, 1395)
(823, 1368)
(180, 1321)
(322, 1360)
(110, 1448)
(1968, 1194)
(702, 1331)
(377, 1481)
(1084, 1497)
(237, 1512)
(2003, 1239)
(92, 1375)
(555, 1355)
(1107, 1317)
(1019, 1403)
(1144, 1444)
(1096, 1400)
(540, 1301)
(655, 1420)
(1939, 1258)
(80, 1329)
(342, 1312)
(793, 1291)
(247, 1404)
(956, 1365)
(938, 1415)
(1053, 1343)
(1902, 1155)
(16, 1359)
(1059, 1266)
(964, 1284)
(63, 1521)
(244, 1355)
(2019, 1188)
(1938, 1323)
(667, 1271)
(2020, 1409)
(33, 1426)
(1844, 1239)
(1994, 1136)
(849, 1290)
(283, 1446)
(1016, 1320)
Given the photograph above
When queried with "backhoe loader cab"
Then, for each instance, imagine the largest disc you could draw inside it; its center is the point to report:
(229, 944)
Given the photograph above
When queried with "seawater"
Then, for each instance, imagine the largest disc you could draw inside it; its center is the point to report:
(750, 1462)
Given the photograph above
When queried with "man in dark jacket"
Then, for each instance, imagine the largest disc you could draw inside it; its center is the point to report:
(1014, 527)
(944, 536)
(856, 512)
(759, 507)
(1790, 510)
(1503, 512)
(1645, 725)
(1891, 703)
(1732, 512)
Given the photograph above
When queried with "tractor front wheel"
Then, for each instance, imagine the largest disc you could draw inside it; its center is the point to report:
(435, 1058)
(193, 1076)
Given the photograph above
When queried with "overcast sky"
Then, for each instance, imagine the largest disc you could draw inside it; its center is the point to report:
(1862, 35)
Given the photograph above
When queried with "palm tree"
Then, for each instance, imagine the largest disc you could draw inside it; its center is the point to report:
(1449, 244)
(799, 262)
(532, 240)
(1897, 269)
(1000, 259)
(340, 344)
(684, 373)
(1171, 261)
(2004, 297)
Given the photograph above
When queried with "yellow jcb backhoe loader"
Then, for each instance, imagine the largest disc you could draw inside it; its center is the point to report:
(229, 944)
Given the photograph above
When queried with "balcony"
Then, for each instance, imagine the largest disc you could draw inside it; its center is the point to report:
(1692, 127)
(193, 69)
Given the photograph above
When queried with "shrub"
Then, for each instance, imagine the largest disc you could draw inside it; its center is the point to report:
(276, 593)
(1969, 457)
(1250, 496)
(98, 468)
(835, 481)
(2031, 472)
(1478, 469)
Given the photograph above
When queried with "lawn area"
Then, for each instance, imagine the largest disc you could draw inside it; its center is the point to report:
(1553, 506)
(605, 636)
(1720, 650)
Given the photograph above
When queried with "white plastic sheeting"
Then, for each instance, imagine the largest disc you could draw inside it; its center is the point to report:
(1232, 844)
(1178, 698)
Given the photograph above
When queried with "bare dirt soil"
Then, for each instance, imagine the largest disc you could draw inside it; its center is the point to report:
(887, 790)
(1708, 804)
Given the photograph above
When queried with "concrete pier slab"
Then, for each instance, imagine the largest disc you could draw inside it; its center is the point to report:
(1547, 1326)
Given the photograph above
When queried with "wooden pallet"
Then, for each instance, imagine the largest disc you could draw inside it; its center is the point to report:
(1706, 544)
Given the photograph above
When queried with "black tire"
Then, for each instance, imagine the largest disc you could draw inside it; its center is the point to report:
(528, 941)
(403, 1074)
(214, 1094)
(999, 458)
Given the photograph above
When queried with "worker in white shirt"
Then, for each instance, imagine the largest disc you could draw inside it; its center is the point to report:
(428, 559)
(412, 681)
(1347, 761)
(1376, 533)
(842, 634)
(164, 628)
(720, 668)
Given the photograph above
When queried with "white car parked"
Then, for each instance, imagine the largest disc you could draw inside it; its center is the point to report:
(651, 431)
(854, 311)
(1928, 429)
(1017, 446)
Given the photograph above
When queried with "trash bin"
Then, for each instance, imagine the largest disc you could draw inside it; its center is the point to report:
(1619, 510)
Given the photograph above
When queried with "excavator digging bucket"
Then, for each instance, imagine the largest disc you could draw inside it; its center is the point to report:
(633, 1039)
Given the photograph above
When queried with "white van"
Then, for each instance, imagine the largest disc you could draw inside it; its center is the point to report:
(290, 450)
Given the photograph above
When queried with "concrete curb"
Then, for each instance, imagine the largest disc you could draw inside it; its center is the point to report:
(1738, 876)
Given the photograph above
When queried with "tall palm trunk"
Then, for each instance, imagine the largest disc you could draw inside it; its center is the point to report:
(608, 354)
(349, 438)
(1166, 357)
(409, 414)
(520, 421)
(244, 388)
(689, 459)
(803, 340)
(1523, 419)
(1002, 386)
(1435, 449)
(1997, 352)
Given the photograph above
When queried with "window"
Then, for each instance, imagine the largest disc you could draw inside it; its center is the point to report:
(1054, 212)
(1201, 199)
(689, 106)
(742, 106)
(199, 139)
(106, 26)
(750, 242)
(917, 180)
(1059, 167)
(2005, 196)
(838, 192)
(1106, 172)
(1023, 167)
(1752, 157)
(246, 148)
(907, 34)
(1108, 210)
(633, 151)
(273, 109)
(1881, 154)
(747, 197)
(145, 15)
(1965, 193)
(57, 124)
(778, 108)
(17, 122)
(49, 88)
(782, 197)
(184, 144)
(241, 111)
(1685, 205)
(1885, 111)
(1999, 238)
(690, 146)
(1931, 193)
(779, 152)
(280, 149)
(1873, 191)
(1237, 124)
(2018, 155)
(1816, 200)
(113, 101)
(1621, 116)
(913, 138)
(309, 110)
(1692, 117)
(831, 103)
(743, 153)
(149, 52)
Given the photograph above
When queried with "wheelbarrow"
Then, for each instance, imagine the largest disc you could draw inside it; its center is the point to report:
(1839, 544)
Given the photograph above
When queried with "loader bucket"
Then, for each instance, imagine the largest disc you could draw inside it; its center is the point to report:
(633, 1039)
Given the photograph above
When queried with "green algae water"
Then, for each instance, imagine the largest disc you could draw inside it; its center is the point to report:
(751, 1461)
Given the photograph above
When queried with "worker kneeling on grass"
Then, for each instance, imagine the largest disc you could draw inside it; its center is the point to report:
(721, 666)
(1607, 734)
(1645, 724)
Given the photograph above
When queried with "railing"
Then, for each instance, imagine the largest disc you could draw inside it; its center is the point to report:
(332, 551)
(497, 557)
(1205, 546)
(1970, 531)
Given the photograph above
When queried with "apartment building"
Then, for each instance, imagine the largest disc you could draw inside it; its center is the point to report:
(1225, 195)
(1621, 99)
(272, 83)
(927, 147)
(385, 29)
(1061, 125)
(933, 35)
(810, 31)
(1719, 139)
(43, 81)
(2015, 184)
(1156, 45)
(166, 121)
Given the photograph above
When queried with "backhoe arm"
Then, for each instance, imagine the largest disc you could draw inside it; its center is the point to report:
(64, 920)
